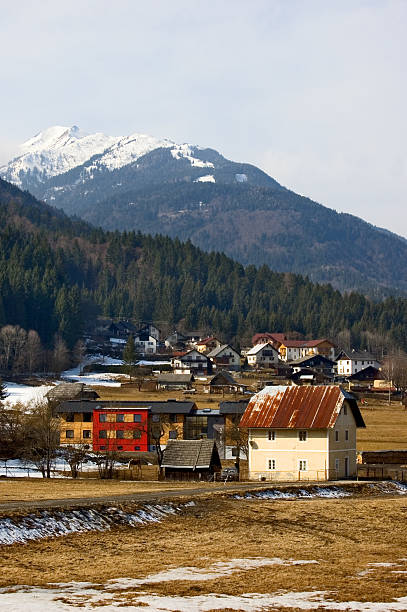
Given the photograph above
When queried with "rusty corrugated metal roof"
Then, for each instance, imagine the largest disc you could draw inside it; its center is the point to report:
(298, 408)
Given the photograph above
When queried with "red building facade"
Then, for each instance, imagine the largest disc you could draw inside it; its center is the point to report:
(121, 429)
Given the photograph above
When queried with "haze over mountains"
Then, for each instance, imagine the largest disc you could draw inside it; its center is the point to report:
(158, 186)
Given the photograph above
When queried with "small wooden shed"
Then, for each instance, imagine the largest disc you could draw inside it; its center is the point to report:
(191, 460)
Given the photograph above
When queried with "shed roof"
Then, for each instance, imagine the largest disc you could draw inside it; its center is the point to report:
(315, 358)
(295, 407)
(67, 390)
(175, 378)
(192, 454)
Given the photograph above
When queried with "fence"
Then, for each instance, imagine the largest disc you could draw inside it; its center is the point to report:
(382, 471)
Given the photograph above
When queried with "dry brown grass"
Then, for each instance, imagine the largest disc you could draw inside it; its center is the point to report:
(30, 489)
(386, 426)
(342, 535)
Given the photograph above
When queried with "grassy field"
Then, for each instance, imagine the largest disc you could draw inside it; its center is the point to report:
(342, 537)
(386, 427)
(30, 489)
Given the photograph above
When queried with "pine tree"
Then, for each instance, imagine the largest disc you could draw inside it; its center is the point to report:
(130, 356)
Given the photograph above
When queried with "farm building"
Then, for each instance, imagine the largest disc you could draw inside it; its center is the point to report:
(175, 381)
(71, 391)
(223, 382)
(302, 433)
(191, 460)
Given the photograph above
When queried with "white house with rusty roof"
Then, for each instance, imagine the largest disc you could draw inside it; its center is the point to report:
(302, 433)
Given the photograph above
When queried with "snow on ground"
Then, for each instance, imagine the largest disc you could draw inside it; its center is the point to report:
(47, 524)
(208, 178)
(143, 362)
(24, 393)
(69, 596)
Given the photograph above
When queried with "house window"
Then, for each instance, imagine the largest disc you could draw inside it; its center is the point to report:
(302, 465)
(337, 466)
(103, 433)
(69, 418)
(120, 434)
(87, 417)
(136, 434)
(119, 418)
(102, 418)
(69, 433)
(173, 418)
(173, 434)
(120, 448)
(86, 433)
(345, 410)
(136, 448)
(336, 436)
(137, 418)
(102, 447)
(271, 464)
(271, 435)
(302, 436)
(346, 434)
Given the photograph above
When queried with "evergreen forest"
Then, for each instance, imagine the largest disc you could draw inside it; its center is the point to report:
(58, 273)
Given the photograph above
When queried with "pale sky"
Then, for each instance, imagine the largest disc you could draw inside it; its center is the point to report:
(311, 91)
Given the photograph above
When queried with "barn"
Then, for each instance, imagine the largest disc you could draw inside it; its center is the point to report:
(191, 460)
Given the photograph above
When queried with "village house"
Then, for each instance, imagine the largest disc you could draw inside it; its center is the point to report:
(224, 356)
(262, 356)
(302, 433)
(208, 344)
(350, 362)
(231, 436)
(291, 350)
(78, 425)
(192, 362)
(318, 363)
(123, 429)
(276, 339)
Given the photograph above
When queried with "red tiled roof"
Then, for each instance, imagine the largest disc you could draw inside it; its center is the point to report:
(298, 407)
(304, 343)
(206, 340)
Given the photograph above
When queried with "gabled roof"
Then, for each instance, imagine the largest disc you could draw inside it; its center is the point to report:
(65, 391)
(304, 343)
(215, 352)
(275, 337)
(298, 408)
(223, 374)
(369, 373)
(259, 347)
(309, 358)
(192, 454)
(194, 350)
(356, 355)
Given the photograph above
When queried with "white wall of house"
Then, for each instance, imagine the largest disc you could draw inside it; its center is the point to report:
(264, 357)
(146, 346)
(351, 366)
(312, 454)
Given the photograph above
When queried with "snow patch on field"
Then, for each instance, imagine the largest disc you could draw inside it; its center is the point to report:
(333, 492)
(24, 394)
(71, 595)
(47, 524)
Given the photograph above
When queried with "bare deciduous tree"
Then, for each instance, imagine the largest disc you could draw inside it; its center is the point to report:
(74, 456)
(42, 437)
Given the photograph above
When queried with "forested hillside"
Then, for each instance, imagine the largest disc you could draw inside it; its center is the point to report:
(158, 187)
(56, 273)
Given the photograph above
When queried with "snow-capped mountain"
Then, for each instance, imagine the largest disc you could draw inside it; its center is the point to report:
(59, 149)
(141, 182)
